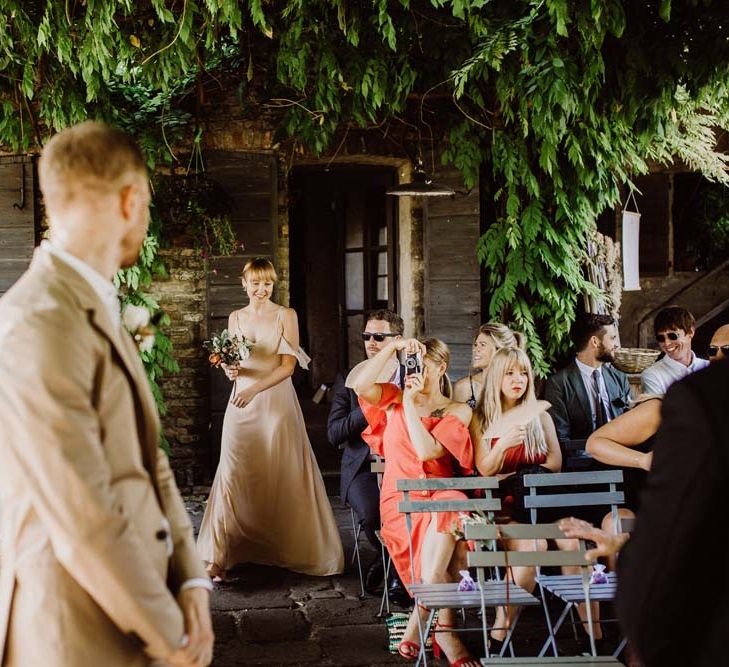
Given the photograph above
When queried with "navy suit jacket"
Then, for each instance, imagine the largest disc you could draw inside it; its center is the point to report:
(344, 429)
(571, 410)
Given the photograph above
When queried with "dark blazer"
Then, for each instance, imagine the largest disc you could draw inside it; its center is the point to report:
(344, 429)
(672, 608)
(570, 409)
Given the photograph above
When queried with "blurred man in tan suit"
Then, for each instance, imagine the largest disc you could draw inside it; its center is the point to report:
(98, 564)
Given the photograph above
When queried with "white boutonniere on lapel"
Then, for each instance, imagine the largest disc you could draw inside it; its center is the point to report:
(136, 320)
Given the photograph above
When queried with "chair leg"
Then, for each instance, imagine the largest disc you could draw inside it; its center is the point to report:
(573, 622)
(551, 639)
(620, 647)
(509, 634)
(385, 601)
(423, 632)
(356, 529)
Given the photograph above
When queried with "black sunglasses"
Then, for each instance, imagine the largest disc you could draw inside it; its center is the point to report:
(671, 335)
(714, 350)
(379, 337)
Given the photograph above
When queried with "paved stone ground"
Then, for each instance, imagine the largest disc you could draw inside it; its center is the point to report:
(269, 616)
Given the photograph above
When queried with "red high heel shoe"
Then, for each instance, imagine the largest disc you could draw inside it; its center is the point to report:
(439, 653)
(411, 650)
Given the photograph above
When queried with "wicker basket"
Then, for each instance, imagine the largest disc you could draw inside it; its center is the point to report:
(634, 359)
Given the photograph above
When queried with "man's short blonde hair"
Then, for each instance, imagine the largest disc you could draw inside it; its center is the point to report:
(90, 156)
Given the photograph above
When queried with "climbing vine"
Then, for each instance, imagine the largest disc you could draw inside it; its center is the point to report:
(556, 104)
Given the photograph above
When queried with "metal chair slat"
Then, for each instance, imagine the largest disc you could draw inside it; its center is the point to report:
(574, 499)
(483, 504)
(570, 478)
(440, 483)
(526, 558)
(517, 531)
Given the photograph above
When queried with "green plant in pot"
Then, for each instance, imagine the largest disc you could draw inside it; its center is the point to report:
(194, 211)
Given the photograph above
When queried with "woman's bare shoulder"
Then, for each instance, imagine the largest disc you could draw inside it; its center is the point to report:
(460, 411)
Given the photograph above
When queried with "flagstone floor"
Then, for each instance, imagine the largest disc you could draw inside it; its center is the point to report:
(269, 616)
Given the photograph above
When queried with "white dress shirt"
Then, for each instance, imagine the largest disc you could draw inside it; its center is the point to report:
(656, 379)
(587, 373)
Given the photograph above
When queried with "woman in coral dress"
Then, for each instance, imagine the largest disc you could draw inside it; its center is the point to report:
(268, 503)
(421, 433)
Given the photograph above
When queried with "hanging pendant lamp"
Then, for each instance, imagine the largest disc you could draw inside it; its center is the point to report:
(420, 186)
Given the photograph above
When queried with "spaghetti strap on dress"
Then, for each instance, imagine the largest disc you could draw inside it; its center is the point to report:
(268, 503)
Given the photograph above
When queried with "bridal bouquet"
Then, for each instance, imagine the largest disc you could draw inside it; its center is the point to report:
(227, 349)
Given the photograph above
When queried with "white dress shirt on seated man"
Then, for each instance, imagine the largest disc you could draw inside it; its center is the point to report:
(656, 379)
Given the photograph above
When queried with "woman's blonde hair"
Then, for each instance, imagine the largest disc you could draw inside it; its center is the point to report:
(489, 407)
(501, 335)
(260, 268)
(437, 351)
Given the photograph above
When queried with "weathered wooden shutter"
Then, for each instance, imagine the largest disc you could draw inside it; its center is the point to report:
(17, 218)
(452, 274)
(249, 180)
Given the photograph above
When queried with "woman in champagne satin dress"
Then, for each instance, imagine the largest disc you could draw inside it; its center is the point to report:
(268, 504)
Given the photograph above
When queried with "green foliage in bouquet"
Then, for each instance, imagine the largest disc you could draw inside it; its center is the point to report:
(227, 349)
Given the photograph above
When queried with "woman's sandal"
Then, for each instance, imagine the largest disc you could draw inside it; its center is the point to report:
(409, 650)
(439, 653)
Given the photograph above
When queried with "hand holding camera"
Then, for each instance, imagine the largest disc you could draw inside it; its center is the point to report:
(411, 357)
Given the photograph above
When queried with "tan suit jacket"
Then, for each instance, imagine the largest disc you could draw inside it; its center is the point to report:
(86, 493)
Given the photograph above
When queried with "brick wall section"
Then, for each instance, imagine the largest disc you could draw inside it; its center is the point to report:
(183, 296)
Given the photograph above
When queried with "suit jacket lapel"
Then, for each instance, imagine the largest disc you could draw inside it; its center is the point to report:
(120, 340)
(580, 391)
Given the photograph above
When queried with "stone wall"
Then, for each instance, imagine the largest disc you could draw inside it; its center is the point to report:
(183, 297)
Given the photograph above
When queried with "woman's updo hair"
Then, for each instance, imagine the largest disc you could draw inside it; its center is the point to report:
(502, 336)
(259, 268)
(437, 351)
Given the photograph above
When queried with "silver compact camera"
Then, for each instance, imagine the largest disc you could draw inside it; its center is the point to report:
(413, 363)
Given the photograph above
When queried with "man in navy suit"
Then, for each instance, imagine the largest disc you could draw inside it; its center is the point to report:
(588, 392)
(358, 485)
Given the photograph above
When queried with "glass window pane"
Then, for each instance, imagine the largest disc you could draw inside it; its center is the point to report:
(354, 221)
(382, 236)
(355, 346)
(382, 288)
(354, 280)
(381, 263)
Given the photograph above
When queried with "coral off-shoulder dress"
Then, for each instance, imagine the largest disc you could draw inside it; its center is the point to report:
(387, 435)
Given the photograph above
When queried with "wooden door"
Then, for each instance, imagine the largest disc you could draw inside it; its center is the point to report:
(17, 218)
(249, 180)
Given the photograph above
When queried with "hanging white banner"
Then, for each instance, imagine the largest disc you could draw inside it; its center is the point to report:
(631, 254)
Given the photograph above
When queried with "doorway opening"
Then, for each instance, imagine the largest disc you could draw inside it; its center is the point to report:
(343, 258)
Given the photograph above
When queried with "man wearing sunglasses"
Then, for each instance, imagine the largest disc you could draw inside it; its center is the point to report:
(674, 330)
(719, 346)
(358, 485)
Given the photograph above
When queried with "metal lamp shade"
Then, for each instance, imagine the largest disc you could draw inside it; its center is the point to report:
(420, 187)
